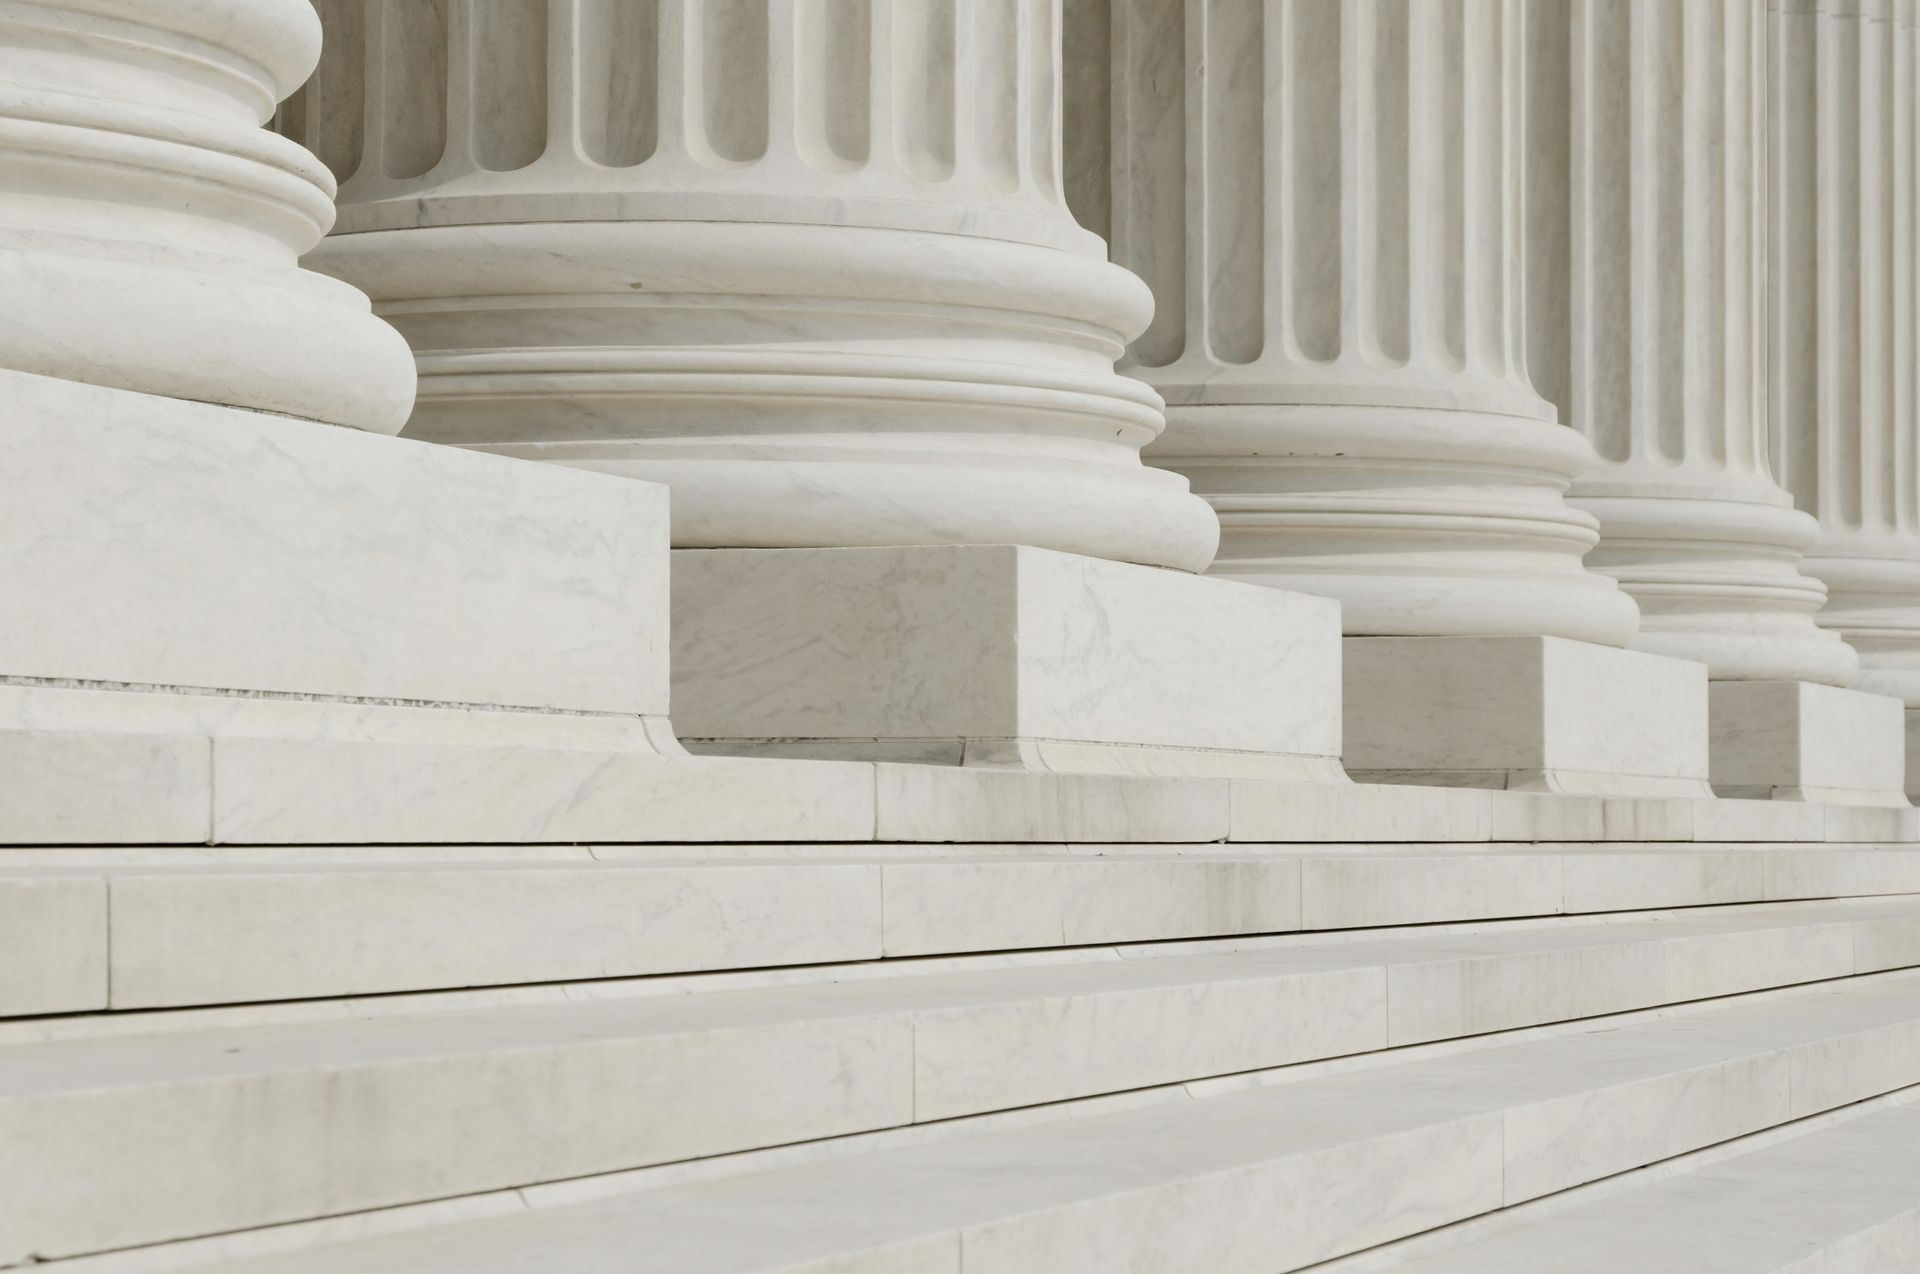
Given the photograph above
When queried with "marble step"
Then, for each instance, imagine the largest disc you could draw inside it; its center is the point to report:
(83, 930)
(259, 791)
(1255, 1175)
(217, 1120)
(1841, 1199)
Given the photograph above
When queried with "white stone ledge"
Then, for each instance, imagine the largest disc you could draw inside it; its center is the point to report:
(1240, 1175)
(1840, 1197)
(253, 925)
(126, 788)
(162, 543)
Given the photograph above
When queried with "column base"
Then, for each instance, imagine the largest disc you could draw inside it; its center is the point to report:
(1797, 741)
(1540, 714)
(1004, 657)
(189, 570)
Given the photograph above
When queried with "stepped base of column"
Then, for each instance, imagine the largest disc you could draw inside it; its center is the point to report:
(181, 573)
(1794, 740)
(1004, 657)
(1541, 714)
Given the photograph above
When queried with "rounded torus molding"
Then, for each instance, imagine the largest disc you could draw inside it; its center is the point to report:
(150, 229)
(1325, 200)
(1646, 131)
(810, 265)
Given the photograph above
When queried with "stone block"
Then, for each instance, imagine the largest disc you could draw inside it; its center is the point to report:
(1527, 713)
(1358, 890)
(162, 544)
(946, 905)
(1002, 656)
(211, 936)
(1327, 813)
(99, 789)
(1798, 741)
(286, 791)
(53, 943)
(948, 803)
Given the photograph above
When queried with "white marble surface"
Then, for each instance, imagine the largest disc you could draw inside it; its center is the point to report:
(1312, 812)
(1347, 892)
(1542, 714)
(285, 791)
(973, 1038)
(811, 268)
(220, 935)
(212, 927)
(429, 1103)
(1844, 417)
(1229, 1180)
(181, 545)
(940, 803)
(1646, 327)
(1000, 655)
(92, 789)
(1836, 1200)
(940, 906)
(149, 228)
(1801, 741)
(1345, 383)
(53, 943)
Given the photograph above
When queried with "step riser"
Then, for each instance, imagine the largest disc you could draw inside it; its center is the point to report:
(328, 1137)
(1239, 1180)
(181, 937)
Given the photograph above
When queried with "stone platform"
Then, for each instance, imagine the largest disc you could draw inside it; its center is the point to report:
(1002, 656)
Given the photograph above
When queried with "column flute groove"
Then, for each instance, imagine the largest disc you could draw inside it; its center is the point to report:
(1646, 323)
(1326, 199)
(807, 261)
(1841, 326)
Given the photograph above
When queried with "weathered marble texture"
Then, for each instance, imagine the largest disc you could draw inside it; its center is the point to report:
(1002, 656)
(1803, 741)
(1528, 713)
(149, 229)
(1236, 1175)
(170, 546)
(1844, 310)
(1646, 323)
(1326, 201)
(811, 266)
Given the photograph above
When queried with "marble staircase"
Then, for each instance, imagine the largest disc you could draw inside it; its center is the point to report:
(907, 1056)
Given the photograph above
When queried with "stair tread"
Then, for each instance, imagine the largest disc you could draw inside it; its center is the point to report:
(1755, 1212)
(1258, 1178)
(330, 1040)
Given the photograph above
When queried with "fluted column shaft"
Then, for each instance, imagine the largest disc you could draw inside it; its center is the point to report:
(807, 261)
(1325, 198)
(149, 228)
(1844, 314)
(1646, 323)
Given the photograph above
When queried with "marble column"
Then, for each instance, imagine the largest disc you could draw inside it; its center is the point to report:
(1646, 314)
(1844, 312)
(149, 228)
(1326, 198)
(202, 563)
(809, 263)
